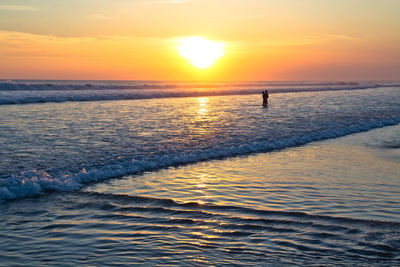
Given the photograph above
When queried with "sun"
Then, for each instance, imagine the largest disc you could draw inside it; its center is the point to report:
(200, 52)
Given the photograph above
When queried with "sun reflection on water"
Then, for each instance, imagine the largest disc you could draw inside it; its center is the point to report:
(203, 106)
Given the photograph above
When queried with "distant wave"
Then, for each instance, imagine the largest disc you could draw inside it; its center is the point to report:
(32, 183)
(65, 86)
(84, 95)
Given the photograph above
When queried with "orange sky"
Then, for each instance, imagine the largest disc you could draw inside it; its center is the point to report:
(138, 39)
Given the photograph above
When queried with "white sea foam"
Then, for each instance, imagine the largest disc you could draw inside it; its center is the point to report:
(32, 183)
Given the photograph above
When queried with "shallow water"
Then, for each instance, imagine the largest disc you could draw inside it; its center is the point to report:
(327, 203)
(99, 229)
(61, 146)
(355, 176)
(203, 180)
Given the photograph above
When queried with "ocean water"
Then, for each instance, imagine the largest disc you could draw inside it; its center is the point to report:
(169, 173)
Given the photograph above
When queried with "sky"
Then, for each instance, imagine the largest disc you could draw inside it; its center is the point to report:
(138, 39)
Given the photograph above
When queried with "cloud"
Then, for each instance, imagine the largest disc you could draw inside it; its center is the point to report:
(97, 16)
(18, 8)
(341, 36)
(307, 40)
(161, 2)
(19, 44)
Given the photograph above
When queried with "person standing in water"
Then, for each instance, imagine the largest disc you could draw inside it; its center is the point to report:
(265, 96)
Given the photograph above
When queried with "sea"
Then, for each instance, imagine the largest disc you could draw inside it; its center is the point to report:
(165, 173)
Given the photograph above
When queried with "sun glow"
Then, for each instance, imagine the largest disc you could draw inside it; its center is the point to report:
(200, 52)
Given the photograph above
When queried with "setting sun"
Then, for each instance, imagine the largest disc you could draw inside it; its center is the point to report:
(200, 52)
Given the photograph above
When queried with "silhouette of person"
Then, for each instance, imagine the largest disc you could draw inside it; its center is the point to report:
(265, 96)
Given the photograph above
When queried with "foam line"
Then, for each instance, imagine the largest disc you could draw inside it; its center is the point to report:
(32, 183)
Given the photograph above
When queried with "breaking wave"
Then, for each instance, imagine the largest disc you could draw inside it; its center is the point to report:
(32, 183)
(63, 85)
